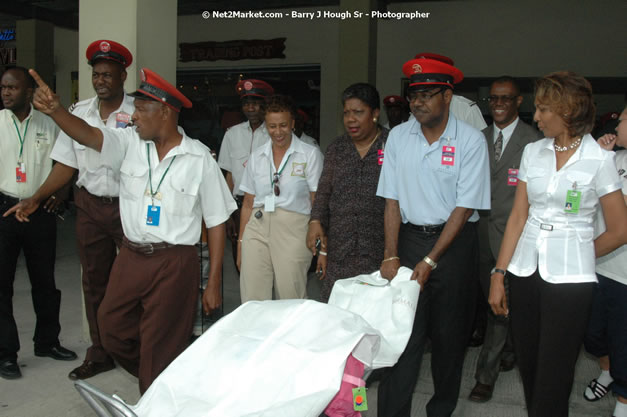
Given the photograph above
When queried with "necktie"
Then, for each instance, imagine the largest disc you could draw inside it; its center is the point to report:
(498, 147)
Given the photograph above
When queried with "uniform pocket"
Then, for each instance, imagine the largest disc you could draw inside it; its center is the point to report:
(133, 181)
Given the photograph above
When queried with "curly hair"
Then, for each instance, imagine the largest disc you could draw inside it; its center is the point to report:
(568, 95)
(279, 103)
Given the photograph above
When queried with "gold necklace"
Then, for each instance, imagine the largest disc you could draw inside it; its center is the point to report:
(370, 144)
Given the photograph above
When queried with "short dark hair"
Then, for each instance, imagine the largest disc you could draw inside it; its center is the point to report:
(364, 92)
(569, 95)
(30, 81)
(507, 79)
(279, 103)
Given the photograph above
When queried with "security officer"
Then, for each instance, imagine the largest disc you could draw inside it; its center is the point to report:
(396, 111)
(27, 137)
(435, 176)
(168, 184)
(239, 142)
(98, 228)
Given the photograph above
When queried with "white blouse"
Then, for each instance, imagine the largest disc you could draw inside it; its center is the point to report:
(557, 242)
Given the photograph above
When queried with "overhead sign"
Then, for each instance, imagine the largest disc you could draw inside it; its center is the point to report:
(233, 50)
(7, 34)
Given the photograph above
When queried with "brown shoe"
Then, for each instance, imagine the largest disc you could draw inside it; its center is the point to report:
(89, 369)
(481, 393)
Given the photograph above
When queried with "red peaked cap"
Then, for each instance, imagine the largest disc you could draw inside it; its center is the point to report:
(437, 57)
(425, 72)
(254, 88)
(158, 89)
(106, 49)
(391, 101)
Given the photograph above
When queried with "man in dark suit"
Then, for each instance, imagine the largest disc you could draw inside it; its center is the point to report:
(506, 139)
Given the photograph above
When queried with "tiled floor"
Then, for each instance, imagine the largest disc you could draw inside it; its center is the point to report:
(45, 390)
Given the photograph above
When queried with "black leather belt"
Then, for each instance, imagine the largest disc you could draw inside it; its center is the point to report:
(427, 228)
(8, 200)
(146, 248)
(102, 199)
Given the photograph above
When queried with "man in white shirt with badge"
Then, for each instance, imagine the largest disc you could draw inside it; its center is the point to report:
(240, 141)
(27, 137)
(98, 228)
(168, 184)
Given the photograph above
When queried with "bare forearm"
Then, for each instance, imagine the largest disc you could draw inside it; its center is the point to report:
(215, 238)
(454, 225)
(245, 213)
(78, 129)
(59, 176)
(391, 224)
(513, 230)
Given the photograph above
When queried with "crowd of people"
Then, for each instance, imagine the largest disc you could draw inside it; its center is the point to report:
(519, 213)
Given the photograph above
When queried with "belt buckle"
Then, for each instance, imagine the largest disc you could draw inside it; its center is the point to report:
(547, 227)
(150, 249)
(107, 200)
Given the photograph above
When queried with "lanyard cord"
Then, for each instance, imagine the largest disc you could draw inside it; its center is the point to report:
(153, 193)
(21, 139)
(278, 173)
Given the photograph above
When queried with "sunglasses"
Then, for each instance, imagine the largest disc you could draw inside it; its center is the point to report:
(275, 183)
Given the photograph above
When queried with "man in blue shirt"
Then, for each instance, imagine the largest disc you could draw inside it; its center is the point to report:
(435, 176)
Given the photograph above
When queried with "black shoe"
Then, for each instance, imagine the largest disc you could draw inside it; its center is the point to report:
(57, 352)
(507, 365)
(481, 393)
(10, 370)
(89, 369)
(477, 338)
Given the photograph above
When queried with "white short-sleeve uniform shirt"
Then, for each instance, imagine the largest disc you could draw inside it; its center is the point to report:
(557, 243)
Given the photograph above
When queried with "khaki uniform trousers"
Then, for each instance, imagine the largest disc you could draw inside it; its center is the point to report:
(274, 253)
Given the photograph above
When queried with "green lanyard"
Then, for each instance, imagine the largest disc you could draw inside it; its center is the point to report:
(22, 139)
(154, 193)
(278, 172)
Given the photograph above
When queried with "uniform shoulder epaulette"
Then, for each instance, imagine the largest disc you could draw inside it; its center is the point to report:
(78, 104)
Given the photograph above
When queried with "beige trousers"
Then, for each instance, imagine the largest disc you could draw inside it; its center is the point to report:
(274, 254)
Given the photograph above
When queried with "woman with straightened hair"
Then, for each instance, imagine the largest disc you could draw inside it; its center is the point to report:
(549, 249)
(347, 216)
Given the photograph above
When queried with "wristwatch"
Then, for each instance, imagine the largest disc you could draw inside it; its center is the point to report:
(495, 270)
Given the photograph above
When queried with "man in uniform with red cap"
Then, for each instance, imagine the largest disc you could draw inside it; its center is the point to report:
(239, 142)
(168, 184)
(461, 107)
(396, 111)
(98, 228)
(435, 176)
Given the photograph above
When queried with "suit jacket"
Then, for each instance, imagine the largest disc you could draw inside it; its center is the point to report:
(493, 221)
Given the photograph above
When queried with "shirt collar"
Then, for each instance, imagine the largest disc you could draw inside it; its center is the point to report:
(507, 130)
(261, 128)
(126, 101)
(30, 115)
(450, 132)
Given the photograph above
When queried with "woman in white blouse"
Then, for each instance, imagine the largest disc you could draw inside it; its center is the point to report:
(280, 182)
(548, 247)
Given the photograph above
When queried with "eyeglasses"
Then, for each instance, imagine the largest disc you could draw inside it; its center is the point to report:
(505, 99)
(275, 183)
(423, 97)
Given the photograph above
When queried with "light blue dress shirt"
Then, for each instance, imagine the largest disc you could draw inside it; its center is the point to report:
(427, 187)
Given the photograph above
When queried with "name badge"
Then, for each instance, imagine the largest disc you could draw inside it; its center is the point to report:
(448, 155)
(122, 120)
(380, 156)
(512, 177)
(153, 215)
(269, 203)
(20, 173)
(298, 169)
(573, 198)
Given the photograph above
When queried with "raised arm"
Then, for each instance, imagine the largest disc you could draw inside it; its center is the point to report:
(46, 101)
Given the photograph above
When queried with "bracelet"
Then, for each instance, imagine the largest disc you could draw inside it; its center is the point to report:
(430, 262)
(314, 221)
(391, 258)
(321, 252)
(495, 270)
(240, 240)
